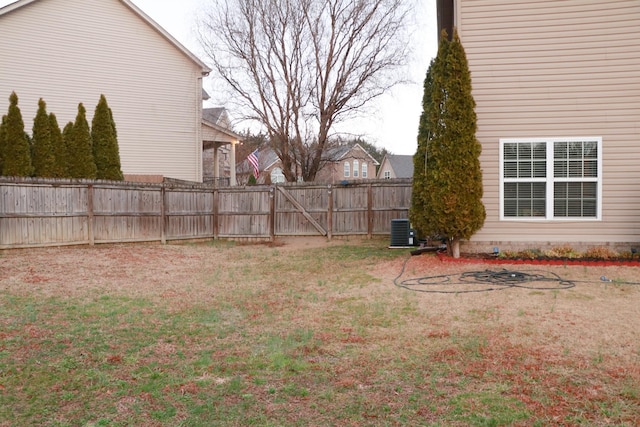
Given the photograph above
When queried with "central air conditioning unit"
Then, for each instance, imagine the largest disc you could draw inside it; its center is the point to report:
(402, 235)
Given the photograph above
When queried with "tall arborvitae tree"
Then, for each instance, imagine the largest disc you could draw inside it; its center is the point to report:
(43, 153)
(448, 156)
(417, 211)
(59, 149)
(17, 150)
(105, 142)
(81, 163)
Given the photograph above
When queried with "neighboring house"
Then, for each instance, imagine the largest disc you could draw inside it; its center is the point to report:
(218, 144)
(557, 88)
(396, 166)
(72, 51)
(346, 162)
(341, 163)
(270, 167)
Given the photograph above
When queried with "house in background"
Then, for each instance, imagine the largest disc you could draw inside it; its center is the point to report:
(396, 166)
(270, 167)
(72, 51)
(557, 89)
(219, 147)
(345, 162)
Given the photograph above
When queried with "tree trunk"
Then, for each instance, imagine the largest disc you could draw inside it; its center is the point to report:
(455, 247)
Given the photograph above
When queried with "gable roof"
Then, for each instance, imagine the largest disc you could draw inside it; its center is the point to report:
(402, 165)
(211, 118)
(339, 152)
(212, 115)
(205, 69)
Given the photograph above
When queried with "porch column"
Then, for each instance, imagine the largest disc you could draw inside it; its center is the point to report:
(232, 164)
(216, 163)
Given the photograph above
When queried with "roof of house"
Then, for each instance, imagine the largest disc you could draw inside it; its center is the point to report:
(338, 152)
(211, 118)
(205, 69)
(212, 115)
(402, 165)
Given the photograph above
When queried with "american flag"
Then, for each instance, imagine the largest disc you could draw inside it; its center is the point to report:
(253, 159)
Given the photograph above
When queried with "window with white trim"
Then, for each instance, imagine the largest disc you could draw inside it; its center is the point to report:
(364, 170)
(277, 176)
(551, 179)
(347, 169)
(356, 167)
(387, 174)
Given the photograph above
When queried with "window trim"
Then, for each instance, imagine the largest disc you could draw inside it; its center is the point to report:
(550, 179)
(347, 170)
(364, 173)
(356, 168)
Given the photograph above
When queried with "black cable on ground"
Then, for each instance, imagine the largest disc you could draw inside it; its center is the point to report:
(489, 280)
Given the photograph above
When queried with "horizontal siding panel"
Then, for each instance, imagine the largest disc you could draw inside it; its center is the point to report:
(558, 68)
(72, 51)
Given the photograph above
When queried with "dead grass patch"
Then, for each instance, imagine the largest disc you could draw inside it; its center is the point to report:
(307, 332)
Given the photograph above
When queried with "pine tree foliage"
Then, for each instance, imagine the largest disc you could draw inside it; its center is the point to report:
(59, 169)
(447, 175)
(105, 142)
(17, 149)
(43, 154)
(81, 163)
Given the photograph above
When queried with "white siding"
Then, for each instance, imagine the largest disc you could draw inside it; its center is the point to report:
(71, 51)
(558, 68)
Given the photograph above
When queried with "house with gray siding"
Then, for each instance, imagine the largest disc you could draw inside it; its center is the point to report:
(396, 166)
(72, 51)
(557, 88)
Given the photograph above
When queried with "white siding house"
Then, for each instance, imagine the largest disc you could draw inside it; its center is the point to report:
(557, 88)
(72, 51)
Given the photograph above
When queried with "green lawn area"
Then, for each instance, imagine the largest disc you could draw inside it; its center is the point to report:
(233, 335)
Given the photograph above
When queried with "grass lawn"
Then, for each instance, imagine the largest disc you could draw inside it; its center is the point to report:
(302, 333)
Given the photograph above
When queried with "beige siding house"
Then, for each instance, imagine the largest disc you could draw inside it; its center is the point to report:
(346, 162)
(396, 166)
(72, 51)
(557, 88)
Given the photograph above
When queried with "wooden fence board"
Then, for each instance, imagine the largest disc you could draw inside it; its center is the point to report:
(44, 212)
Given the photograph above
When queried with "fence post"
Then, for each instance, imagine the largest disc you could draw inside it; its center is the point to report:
(329, 212)
(90, 222)
(369, 211)
(163, 214)
(216, 200)
(272, 213)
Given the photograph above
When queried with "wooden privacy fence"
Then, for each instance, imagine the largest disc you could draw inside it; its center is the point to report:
(47, 212)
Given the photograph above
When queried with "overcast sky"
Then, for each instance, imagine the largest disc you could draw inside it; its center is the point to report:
(393, 121)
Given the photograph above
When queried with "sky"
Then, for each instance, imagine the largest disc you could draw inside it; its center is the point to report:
(391, 122)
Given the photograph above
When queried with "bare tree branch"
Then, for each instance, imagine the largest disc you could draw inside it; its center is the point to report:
(300, 66)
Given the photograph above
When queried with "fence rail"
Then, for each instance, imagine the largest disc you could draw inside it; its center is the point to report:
(48, 212)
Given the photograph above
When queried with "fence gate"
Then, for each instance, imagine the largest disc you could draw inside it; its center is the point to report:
(302, 210)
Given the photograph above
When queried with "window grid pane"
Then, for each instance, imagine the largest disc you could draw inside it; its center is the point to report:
(525, 160)
(524, 199)
(570, 159)
(575, 199)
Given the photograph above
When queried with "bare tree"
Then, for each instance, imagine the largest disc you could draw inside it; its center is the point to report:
(298, 67)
